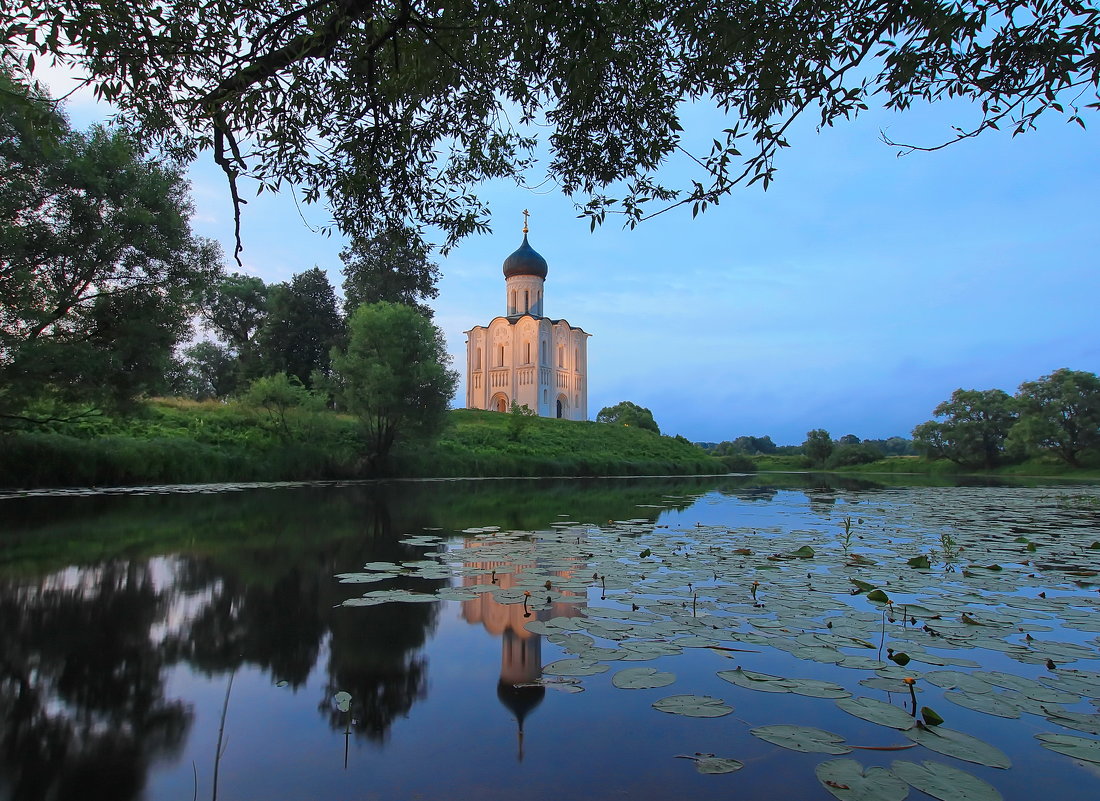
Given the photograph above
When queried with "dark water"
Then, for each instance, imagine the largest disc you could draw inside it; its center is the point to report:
(171, 646)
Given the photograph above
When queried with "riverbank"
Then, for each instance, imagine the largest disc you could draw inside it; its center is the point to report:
(1039, 467)
(175, 441)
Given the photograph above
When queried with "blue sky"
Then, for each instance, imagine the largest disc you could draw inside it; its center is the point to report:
(854, 295)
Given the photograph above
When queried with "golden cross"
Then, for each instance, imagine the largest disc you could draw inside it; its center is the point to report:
(525, 215)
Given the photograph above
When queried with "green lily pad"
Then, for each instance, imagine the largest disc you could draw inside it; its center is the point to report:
(751, 680)
(575, 667)
(802, 738)
(989, 703)
(959, 745)
(1071, 746)
(343, 701)
(716, 765)
(945, 782)
(847, 780)
(878, 712)
(693, 706)
(642, 678)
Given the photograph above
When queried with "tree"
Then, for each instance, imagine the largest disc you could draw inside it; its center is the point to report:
(973, 432)
(849, 439)
(818, 446)
(626, 413)
(301, 327)
(393, 265)
(1060, 413)
(98, 267)
(395, 376)
(234, 309)
(519, 418)
(206, 370)
(395, 111)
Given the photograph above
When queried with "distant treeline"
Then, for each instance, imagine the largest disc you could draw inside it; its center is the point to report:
(1054, 417)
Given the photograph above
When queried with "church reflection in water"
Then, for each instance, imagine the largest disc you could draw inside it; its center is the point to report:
(520, 688)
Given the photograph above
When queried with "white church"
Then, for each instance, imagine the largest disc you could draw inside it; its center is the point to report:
(524, 356)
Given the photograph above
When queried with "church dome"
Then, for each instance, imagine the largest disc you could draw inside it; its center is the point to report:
(525, 261)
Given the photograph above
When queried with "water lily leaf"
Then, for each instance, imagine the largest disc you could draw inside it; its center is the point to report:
(751, 680)
(878, 595)
(945, 782)
(930, 716)
(878, 712)
(847, 780)
(959, 745)
(862, 586)
(920, 562)
(1076, 747)
(343, 701)
(951, 679)
(802, 738)
(989, 703)
(642, 678)
(575, 667)
(693, 706)
(1074, 720)
(716, 765)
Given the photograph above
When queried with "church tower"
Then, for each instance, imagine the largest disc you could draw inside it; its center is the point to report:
(524, 356)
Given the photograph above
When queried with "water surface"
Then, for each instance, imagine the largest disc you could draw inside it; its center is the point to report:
(147, 632)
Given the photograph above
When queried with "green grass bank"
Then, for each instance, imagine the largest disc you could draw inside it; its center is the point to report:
(169, 441)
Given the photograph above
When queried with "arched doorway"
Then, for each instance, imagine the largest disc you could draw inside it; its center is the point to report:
(563, 407)
(499, 403)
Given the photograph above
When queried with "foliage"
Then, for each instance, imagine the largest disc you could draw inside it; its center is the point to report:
(206, 370)
(737, 462)
(973, 431)
(747, 445)
(626, 413)
(818, 446)
(519, 417)
(395, 376)
(97, 262)
(234, 308)
(278, 394)
(844, 455)
(393, 265)
(1059, 413)
(396, 111)
(301, 327)
(894, 446)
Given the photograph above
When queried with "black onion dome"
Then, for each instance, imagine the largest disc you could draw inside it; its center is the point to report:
(525, 261)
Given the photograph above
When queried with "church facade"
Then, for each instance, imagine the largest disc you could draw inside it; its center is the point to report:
(524, 356)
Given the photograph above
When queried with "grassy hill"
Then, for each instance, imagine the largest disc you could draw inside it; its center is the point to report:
(178, 441)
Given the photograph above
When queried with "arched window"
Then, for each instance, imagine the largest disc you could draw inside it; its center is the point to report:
(561, 355)
(526, 352)
(526, 301)
(543, 358)
(512, 302)
(477, 361)
(500, 355)
(576, 358)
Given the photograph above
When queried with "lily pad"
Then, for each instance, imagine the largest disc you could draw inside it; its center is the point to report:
(343, 701)
(847, 780)
(642, 678)
(575, 667)
(802, 738)
(878, 712)
(1071, 746)
(693, 706)
(713, 765)
(945, 782)
(959, 745)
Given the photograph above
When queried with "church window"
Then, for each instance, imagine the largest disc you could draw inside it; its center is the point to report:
(561, 356)
(526, 301)
(526, 352)
(543, 359)
(576, 358)
(512, 302)
(500, 355)
(477, 361)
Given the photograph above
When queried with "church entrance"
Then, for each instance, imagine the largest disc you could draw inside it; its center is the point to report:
(499, 402)
(563, 407)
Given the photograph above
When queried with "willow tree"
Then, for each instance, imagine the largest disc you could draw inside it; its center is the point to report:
(394, 110)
